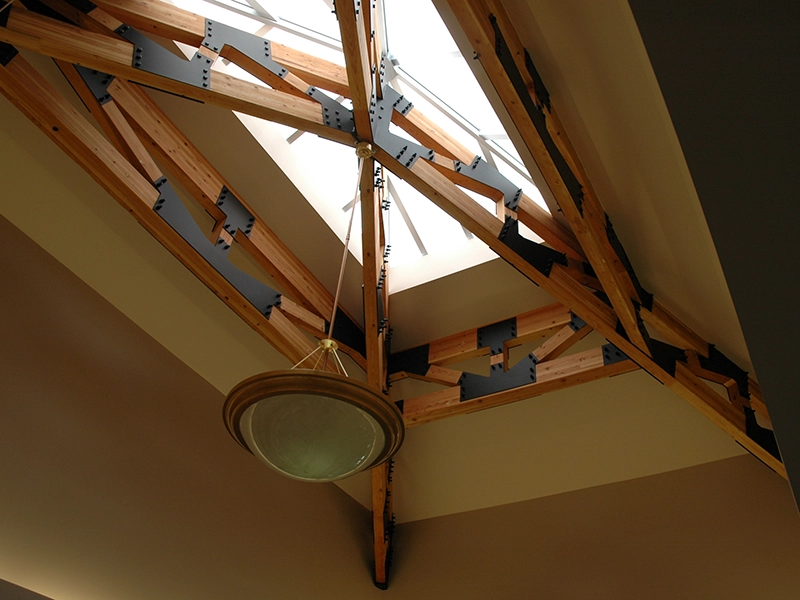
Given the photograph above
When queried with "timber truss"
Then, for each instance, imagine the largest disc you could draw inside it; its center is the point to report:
(103, 52)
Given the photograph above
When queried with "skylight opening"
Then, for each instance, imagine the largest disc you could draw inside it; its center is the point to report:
(425, 65)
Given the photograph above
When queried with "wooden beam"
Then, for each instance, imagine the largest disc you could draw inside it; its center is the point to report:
(382, 521)
(37, 99)
(159, 18)
(174, 23)
(560, 342)
(673, 329)
(115, 56)
(587, 219)
(374, 271)
(564, 288)
(350, 14)
(205, 183)
(552, 375)
(375, 305)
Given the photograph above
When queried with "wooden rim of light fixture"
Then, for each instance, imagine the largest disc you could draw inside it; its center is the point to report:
(318, 383)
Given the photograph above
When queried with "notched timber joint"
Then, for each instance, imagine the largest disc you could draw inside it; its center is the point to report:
(152, 58)
(540, 257)
(171, 209)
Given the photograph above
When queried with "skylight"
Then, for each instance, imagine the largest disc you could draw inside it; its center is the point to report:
(426, 66)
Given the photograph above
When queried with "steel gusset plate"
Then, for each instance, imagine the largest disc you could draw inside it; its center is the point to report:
(474, 386)
(171, 209)
(404, 151)
(97, 82)
(482, 171)
(336, 115)
(537, 255)
(237, 217)
(414, 360)
(151, 57)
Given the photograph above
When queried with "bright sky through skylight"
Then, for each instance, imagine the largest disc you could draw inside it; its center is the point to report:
(426, 243)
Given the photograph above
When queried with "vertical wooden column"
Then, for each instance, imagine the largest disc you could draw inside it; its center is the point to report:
(376, 330)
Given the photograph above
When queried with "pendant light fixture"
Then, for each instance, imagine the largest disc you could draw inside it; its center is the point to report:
(313, 422)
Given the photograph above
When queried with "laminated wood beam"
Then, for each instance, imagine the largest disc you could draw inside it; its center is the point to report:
(351, 17)
(115, 56)
(382, 521)
(172, 22)
(205, 183)
(560, 342)
(375, 273)
(109, 55)
(482, 23)
(552, 375)
(563, 287)
(36, 98)
(375, 328)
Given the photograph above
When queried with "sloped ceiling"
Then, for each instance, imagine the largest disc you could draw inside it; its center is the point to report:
(118, 482)
(108, 504)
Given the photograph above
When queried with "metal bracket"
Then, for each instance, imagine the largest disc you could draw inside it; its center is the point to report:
(237, 217)
(666, 355)
(254, 47)
(403, 150)
(172, 210)
(482, 171)
(612, 354)
(475, 386)
(335, 114)
(348, 333)
(495, 335)
(151, 57)
(717, 362)
(536, 115)
(414, 360)
(576, 323)
(7, 52)
(538, 256)
(97, 82)
(760, 435)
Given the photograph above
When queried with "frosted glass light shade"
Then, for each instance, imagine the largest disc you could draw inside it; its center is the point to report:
(313, 425)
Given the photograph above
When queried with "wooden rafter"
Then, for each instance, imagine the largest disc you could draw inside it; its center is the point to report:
(353, 17)
(184, 26)
(376, 309)
(552, 375)
(115, 56)
(35, 97)
(136, 127)
(482, 20)
(564, 283)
